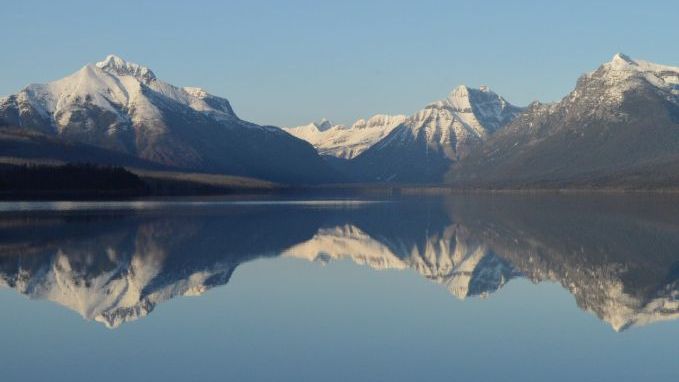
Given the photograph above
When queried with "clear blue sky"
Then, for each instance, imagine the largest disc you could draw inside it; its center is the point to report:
(290, 62)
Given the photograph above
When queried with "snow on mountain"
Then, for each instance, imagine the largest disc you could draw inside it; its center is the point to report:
(122, 106)
(607, 86)
(453, 125)
(617, 128)
(119, 87)
(311, 132)
(422, 148)
(116, 65)
(346, 142)
(622, 68)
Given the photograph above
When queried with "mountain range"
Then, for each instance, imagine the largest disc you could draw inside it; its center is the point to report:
(618, 128)
(122, 108)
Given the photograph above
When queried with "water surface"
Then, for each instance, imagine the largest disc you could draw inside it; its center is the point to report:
(415, 288)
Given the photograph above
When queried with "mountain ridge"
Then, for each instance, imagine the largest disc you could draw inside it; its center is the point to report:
(346, 142)
(619, 127)
(422, 148)
(124, 107)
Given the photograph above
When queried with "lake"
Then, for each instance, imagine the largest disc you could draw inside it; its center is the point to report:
(462, 287)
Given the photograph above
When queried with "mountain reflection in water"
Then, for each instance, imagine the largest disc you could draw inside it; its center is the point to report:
(618, 256)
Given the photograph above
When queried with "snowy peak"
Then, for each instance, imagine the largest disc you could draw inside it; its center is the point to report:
(480, 110)
(128, 91)
(314, 127)
(458, 99)
(462, 98)
(621, 59)
(323, 125)
(122, 107)
(623, 69)
(116, 65)
(603, 91)
(467, 115)
(346, 142)
(453, 124)
(422, 148)
(378, 121)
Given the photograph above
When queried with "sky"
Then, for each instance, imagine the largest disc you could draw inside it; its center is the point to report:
(290, 62)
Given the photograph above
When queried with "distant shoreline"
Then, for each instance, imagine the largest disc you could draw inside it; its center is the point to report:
(92, 182)
(315, 191)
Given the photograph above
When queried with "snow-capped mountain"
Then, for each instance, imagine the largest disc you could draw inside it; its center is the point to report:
(617, 128)
(422, 148)
(347, 142)
(454, 125)
(122, 106)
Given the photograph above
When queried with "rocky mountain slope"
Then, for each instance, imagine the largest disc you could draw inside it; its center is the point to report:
(422, 148)
(121, 106)
(619, 127)
(419, 148)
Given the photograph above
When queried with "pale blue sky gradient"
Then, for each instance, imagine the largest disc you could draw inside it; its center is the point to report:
(290, 62)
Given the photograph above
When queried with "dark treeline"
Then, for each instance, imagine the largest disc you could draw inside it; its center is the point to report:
(77, 177)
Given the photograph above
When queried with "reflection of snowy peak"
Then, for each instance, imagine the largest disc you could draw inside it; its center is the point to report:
(114, 289)
(466, 269)
(346, 241)
(603, 292)
(623, 310)
(618, 261)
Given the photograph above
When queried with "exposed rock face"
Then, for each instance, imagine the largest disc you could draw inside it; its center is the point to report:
(422, 148)
(619, 127)
(418, 148)
(123, 107)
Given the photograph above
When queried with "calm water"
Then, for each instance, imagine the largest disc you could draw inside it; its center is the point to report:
(461, 288)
